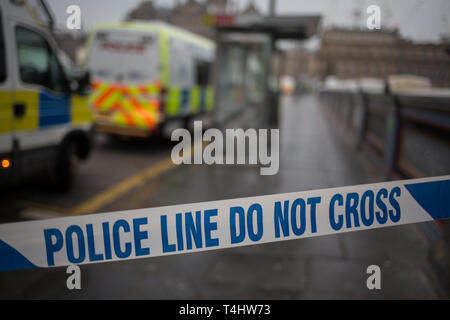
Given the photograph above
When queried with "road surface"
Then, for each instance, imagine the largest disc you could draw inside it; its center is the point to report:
(315, 153)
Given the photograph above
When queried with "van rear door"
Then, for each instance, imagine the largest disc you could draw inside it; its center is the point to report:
(124, 56)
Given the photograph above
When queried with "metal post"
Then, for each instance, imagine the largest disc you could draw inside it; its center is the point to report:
(363, 123)
(272, 5)
(351, 107)
(392, 144)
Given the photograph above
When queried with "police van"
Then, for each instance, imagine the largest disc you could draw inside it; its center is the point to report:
(148, 77)
(45, 118)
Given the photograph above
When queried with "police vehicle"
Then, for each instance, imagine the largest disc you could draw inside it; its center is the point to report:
(45, 118)
(148, 77)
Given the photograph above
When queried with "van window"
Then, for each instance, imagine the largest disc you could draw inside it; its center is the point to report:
(37, 62)
(2, 52)
(182, 66)
(203, 70)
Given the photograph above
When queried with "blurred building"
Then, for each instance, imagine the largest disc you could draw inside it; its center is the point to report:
(303, 62)
(191, 14)
(146, 10)
(349, 53)
(73, 45)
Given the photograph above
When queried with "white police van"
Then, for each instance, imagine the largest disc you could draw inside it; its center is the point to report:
(45, 118)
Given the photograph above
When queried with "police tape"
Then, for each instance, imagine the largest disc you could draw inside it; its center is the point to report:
(220, 224)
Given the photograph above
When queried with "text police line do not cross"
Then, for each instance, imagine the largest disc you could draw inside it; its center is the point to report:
(220, 224)
(198, 229)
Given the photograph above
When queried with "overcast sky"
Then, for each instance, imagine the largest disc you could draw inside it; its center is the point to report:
(420, 20)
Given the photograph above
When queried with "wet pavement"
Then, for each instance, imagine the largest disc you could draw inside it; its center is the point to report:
(315, 153)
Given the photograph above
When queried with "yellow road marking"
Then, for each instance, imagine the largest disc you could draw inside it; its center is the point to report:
(109, 195)
(122, 187)
(33, 213)
(49, 208)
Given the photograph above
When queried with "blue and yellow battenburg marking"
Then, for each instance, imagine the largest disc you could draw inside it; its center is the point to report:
(221, 224)
(43, 110)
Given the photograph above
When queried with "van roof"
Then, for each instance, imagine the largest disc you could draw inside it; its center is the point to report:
(158, 26)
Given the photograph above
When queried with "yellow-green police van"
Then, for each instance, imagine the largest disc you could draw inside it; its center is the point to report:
(45, 119)
(148, 77)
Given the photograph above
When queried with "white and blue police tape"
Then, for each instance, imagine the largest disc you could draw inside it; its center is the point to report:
(220, 224)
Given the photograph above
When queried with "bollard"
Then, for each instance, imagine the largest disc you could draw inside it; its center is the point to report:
(392, 143)
(351, 110)
(363, 122)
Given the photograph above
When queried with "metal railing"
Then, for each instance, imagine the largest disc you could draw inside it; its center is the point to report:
(406, 131)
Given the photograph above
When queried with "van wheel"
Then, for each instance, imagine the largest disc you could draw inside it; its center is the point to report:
(67, 167)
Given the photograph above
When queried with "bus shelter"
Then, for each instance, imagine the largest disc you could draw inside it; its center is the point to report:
(246, 84)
